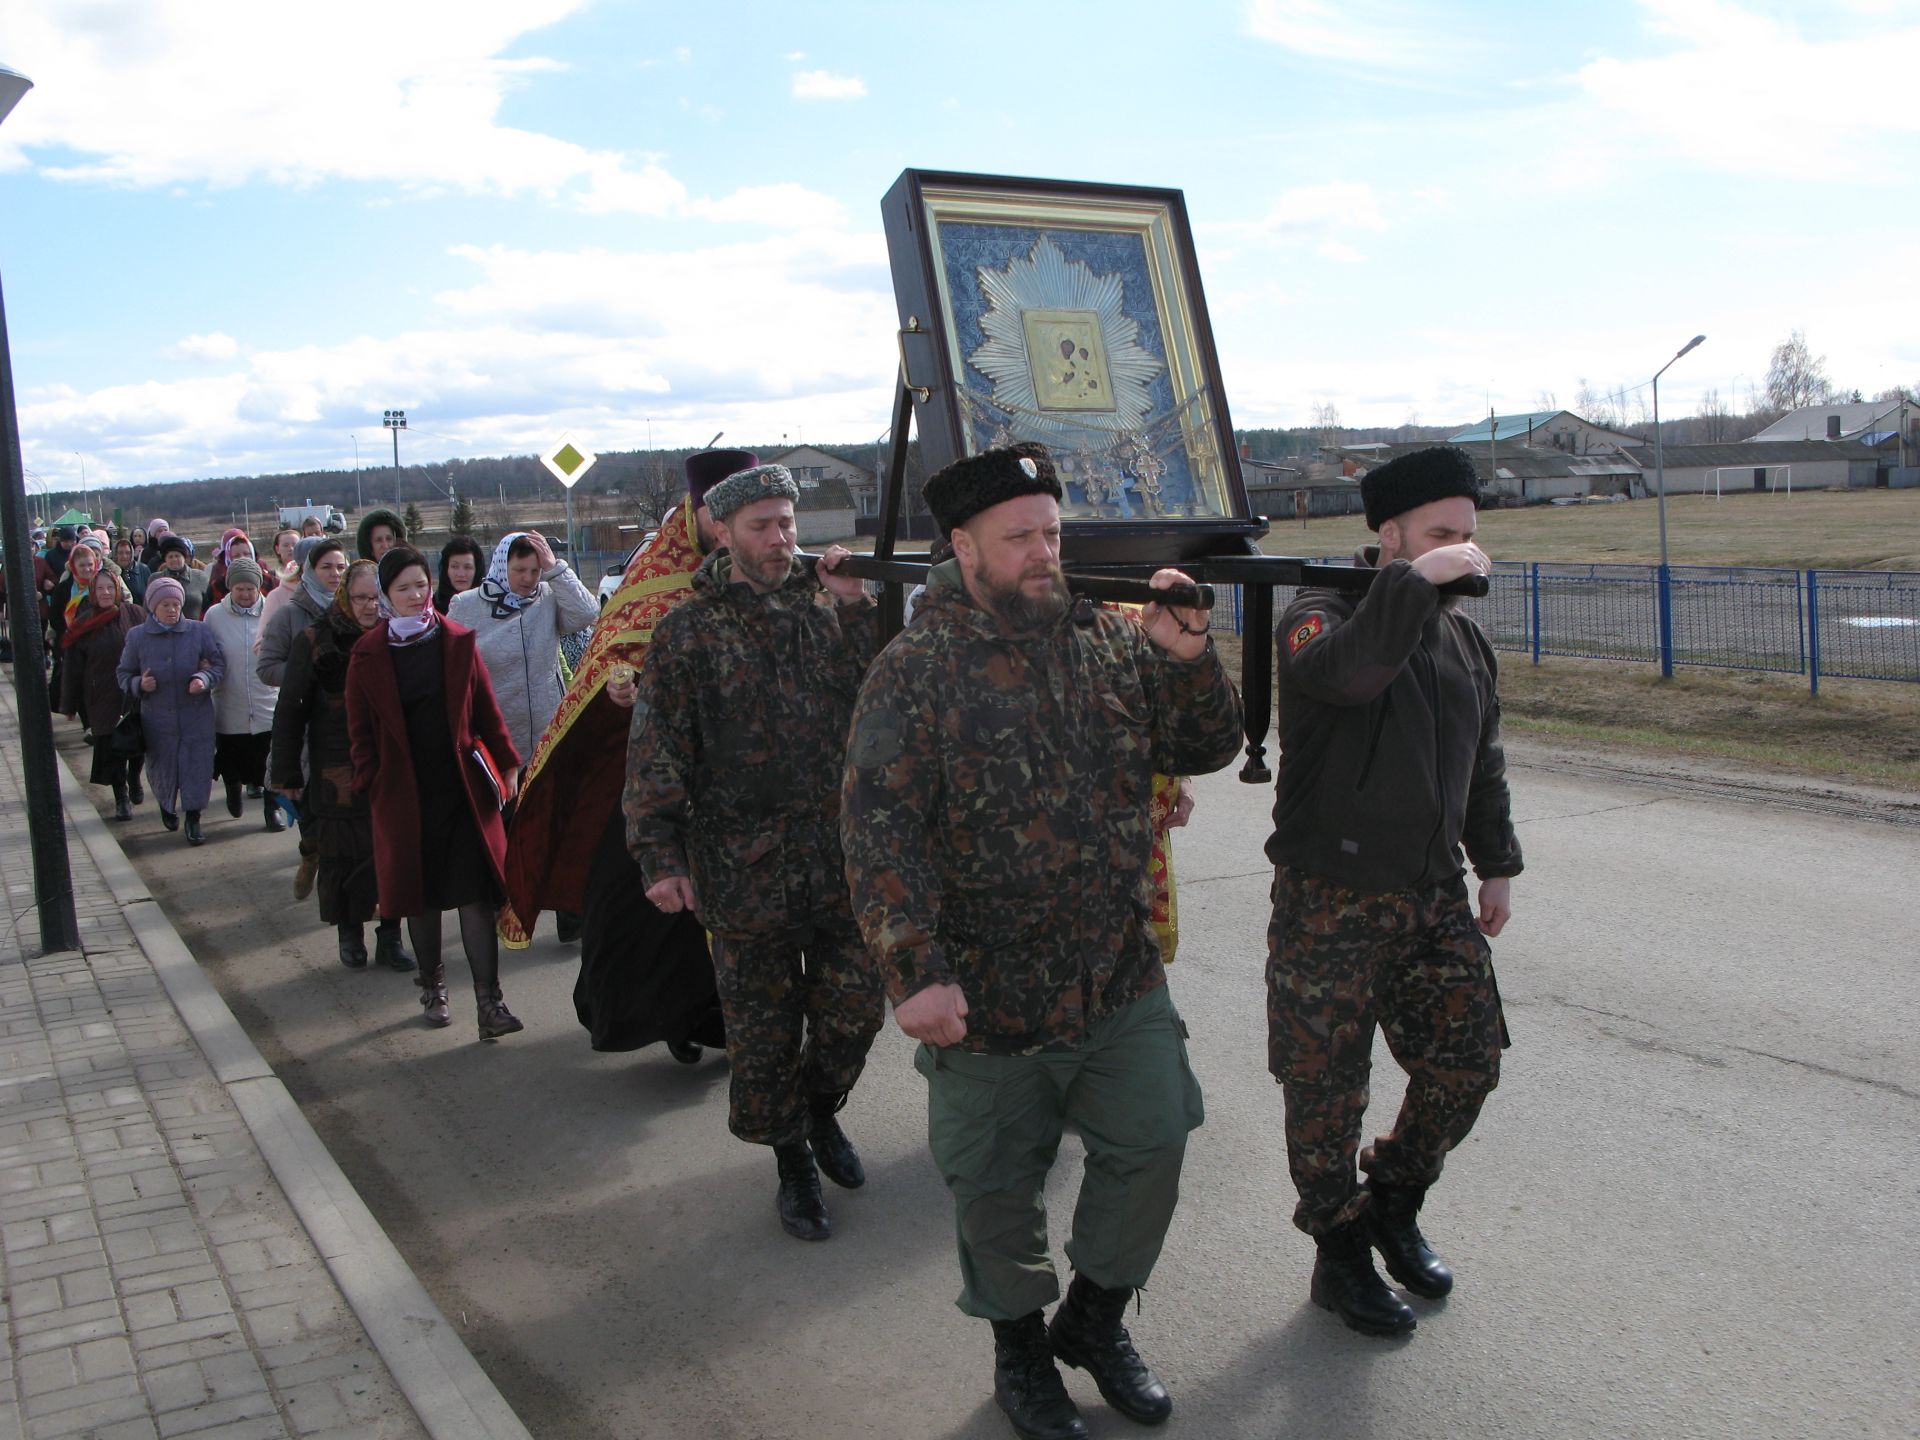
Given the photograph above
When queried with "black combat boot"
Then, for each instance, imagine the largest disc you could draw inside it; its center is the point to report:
(1392, 1219)
(122, 807)
(194, 837)
(433, 994)
(837, 1158)
(803, 1214)
(276, 818)
(1088, 1333)
(1028, 1387)
(685, 1051)
(353, 946)
(234, 803)
(1345, 1282)
(169, 819)
(387, 949)
(494, 1017)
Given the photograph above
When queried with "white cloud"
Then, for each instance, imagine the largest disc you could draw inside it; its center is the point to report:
(794, 57)
(1341, 251)
(825, 85)
(1310, 212)
(1772, 96)
(779, 333)
(213, 346)
(224, 92)
(1373, 33)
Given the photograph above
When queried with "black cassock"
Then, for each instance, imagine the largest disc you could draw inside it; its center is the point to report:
(644, 975)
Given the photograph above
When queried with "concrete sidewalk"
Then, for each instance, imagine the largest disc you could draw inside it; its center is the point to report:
(179, 1254)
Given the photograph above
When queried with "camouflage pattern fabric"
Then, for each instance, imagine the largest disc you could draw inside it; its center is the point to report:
(737, 746)
(995, 812)
(734, 760)
(1338, 962)
(769, 986)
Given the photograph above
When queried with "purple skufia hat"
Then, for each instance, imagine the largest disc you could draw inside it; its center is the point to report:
(708, 468)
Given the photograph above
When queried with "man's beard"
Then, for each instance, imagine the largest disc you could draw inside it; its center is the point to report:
(770, 572)
(1018, 610)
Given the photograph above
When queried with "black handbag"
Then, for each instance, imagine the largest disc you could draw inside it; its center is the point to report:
(129, 737)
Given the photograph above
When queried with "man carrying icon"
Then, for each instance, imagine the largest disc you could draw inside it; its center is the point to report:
(996, 819)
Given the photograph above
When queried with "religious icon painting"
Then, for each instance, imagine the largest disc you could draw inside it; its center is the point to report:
(1070, 314)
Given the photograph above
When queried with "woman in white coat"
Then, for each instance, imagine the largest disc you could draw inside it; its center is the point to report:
(243, 702)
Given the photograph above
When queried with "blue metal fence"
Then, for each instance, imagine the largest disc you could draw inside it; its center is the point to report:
(1852, 624)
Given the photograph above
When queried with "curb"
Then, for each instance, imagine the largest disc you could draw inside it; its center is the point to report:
(441, 1380)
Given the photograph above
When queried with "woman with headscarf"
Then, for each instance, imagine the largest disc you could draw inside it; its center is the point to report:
(461, 562)
(137, 537)
(132, 572)
(243, 703)
(90, 683)
(172, 665)
(69, 592)
(233, 546)
(518, 613)
(312, 763)
(150, 552)
(322, 564)
(433, 754)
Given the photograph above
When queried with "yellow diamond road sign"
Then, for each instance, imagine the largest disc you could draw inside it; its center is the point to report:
(567, 462)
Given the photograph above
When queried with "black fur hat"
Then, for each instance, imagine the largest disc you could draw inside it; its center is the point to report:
(960, 491)
(1436, 473)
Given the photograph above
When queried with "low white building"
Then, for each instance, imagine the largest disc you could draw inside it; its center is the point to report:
(1890, 427)
(1560, 430)
(1750, 465)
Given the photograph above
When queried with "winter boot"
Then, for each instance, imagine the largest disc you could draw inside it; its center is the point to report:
(685, 1051)
(194, 837)
(136, 792)
(169, 819)
(353, 946)
(1028, 1387)
(832, 1151)
(1345, 1282)
(122, 807)
(276, 818)
(387, 949)
(303, 877)
(234, 804)
(567, 926)
(1392, 1218)
(1088, 1333)
(495, 1019)
(433, 994)
(803, 1214)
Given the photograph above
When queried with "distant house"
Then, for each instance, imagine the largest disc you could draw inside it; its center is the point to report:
(1890, 427)
(1286, 492)
(1522, 476)
(827, 509)
(1560, 430)
(1750, 465)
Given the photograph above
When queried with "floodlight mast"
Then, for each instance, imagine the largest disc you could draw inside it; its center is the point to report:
(1665, 594)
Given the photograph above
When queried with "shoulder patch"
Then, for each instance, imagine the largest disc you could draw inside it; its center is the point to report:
(877, 740)
(1303, 632)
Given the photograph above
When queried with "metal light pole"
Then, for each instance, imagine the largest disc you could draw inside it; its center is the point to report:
(359, 503)
(395, 421)
(46, 819)
(1660, 478)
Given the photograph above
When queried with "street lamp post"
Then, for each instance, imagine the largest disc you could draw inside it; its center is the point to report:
(359, 502)
(1660, 480)
(395, 421)
(46, 820)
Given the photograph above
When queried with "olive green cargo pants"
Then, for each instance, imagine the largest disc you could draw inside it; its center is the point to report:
(994, 1124)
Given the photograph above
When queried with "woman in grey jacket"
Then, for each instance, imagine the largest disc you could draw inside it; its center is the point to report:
(527, 601)
(243, 702)
(321, 567)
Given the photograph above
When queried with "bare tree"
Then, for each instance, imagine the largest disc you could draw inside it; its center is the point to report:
(1716, 425)
(1593, 407)
(656, 490)
(1796, 378)
(1545, 401)
(1908, 393)
(1326, 419)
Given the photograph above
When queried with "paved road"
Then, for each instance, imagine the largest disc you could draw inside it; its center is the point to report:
(1689, 1209)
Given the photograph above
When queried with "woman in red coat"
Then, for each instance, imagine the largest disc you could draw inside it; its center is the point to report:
(437, 763)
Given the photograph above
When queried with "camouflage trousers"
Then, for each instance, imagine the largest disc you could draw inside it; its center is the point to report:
(801, 1013)
(1339, 963)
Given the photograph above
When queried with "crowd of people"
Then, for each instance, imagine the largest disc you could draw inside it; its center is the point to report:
(765, 826)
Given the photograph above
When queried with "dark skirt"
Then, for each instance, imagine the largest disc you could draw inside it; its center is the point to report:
(644, 975)
(108, 768)
(242, 758)
(344, 882)
(454, 868)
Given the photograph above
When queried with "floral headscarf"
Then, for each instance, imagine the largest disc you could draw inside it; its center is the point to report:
(499, 593)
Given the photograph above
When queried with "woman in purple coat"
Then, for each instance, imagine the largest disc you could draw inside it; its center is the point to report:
(172, 665)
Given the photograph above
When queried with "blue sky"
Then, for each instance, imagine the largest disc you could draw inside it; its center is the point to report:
(232, 233)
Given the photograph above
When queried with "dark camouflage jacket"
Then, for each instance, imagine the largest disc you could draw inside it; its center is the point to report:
(1390, 755)
(737, 746)
(995, 810)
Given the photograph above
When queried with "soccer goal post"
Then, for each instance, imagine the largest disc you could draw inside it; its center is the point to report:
(1767, 479)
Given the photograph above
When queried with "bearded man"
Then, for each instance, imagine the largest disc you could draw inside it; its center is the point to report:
(996, 819)
(732, 803)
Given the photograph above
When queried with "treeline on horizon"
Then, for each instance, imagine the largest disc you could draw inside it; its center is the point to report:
(649, 481)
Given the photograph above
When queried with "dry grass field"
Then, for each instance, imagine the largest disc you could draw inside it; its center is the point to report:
(1819, 529)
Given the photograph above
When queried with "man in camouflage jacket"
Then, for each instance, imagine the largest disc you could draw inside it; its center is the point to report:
(995, 819)
(1390, 762)
(732, 801)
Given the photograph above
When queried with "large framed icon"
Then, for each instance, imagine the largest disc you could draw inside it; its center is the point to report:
(1071, 314)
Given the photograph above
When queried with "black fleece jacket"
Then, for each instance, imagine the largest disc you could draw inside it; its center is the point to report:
(1390, 740)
